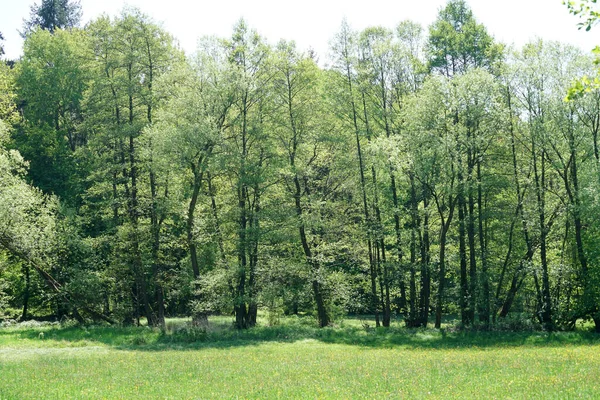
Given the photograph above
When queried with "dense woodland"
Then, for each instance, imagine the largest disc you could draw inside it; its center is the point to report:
(413, 173)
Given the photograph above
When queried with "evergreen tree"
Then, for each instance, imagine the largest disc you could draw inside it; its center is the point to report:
(51, 15)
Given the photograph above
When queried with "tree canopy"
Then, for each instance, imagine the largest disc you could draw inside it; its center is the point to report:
(51, 15)
(422, 173)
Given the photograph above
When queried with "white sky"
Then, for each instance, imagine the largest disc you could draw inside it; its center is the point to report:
(312, 23)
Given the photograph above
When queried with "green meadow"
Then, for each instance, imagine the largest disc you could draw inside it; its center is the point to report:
(294, 360)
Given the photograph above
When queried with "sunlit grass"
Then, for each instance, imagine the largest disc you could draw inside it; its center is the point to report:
(294, 360)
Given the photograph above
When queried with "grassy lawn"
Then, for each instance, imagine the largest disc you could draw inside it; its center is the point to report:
(294, 360)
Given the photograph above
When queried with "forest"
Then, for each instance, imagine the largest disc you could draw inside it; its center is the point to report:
(411, 174)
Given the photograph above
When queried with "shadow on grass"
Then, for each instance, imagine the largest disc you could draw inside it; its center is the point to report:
(222, 335)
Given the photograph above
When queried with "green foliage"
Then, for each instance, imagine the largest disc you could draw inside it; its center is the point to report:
(212, 293)
(247, 178)
(27, 216)
(51, 15)
(8, 109)
(586, 10)
(4, 286)
(457, 42)
(52, 77)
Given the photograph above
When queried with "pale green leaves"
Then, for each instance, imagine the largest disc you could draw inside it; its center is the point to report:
(27, 217)
(586, 10)
(8, 109)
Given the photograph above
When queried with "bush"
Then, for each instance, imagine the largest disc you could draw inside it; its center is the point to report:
(517, 322)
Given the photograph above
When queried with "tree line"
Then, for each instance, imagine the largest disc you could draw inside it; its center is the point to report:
(417, 173)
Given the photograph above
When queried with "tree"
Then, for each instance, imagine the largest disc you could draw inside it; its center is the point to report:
(433, 161)
(589, 14)
(190, 126)
(379, 65)
(8, 95)
(51, 15)
(28, 217)
(29, 226)
(411, 176)
(458, 43)
(346, 59)
(299, 114)
(130, 53)
(52, 77)
(249, 150)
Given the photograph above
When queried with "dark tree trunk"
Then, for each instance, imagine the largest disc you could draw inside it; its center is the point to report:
(484, 311)
(156, 223)
(190, 219)
(402, 300)
(138, 267)
(515, 285)
(241, 312)
(388, 133)
(26, 293)
(380, 259)
(424, 299)
(519, 274)
(444, 228)
(464, 283)
(472, 257)
(398, 230)
(240, 306)
(377, 229)
(507, 258)
(540, 184)
(387, 310)
(367, 220)
(575, 199)
(412, 319)
(323, 315)
(253, 258)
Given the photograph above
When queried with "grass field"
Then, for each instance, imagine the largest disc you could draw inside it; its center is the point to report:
(294, 360)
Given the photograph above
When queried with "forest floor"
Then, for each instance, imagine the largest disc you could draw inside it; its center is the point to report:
(294, 360)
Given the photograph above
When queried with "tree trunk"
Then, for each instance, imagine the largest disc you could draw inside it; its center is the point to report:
(199, 318)
(323, 315)
(515, 285)
(26, 294)
(367, 221)
(254, 228)
(136, 253)
(425, 291)
(375, 298)
(540, 184)
(444, 228)
(464, 284)
(484, 312)
(380, 258)
(156, 223)
(190, 219)
(387, 310)
(518, 276)
(412, 320)
(472, 257)
(240, 307)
